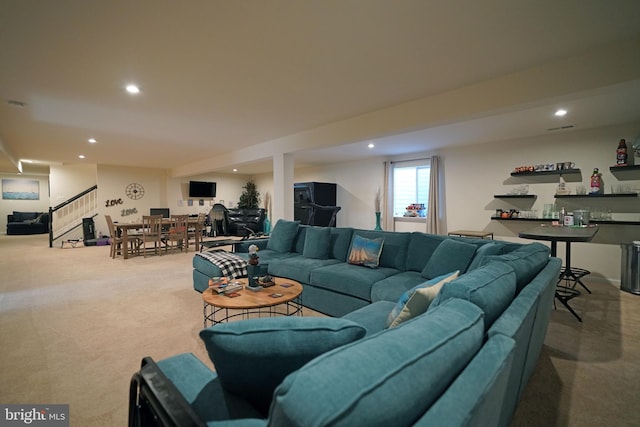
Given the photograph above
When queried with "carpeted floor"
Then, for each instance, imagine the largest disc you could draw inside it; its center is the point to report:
(588, 373)
(75, 324)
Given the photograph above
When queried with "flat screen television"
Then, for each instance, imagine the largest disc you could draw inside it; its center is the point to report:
(202, 189)
(160, 211)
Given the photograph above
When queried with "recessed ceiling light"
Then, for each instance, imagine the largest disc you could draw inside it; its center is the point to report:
(132, 89)
(560, 112)
(92, 140)
(235, 170)
(371, 145)
(81, 156)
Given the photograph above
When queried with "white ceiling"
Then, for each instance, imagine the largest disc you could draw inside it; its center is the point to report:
(219, 76)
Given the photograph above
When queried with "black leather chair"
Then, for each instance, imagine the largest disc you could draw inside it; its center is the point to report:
(219, 217)
(245, 221)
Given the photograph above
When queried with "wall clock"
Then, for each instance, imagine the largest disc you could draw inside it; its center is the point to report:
(134, 191)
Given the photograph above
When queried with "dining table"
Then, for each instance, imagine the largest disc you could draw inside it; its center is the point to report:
(568, 235)
(124, 228)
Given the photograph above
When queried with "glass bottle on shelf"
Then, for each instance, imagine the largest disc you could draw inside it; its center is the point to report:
(596, 181)
(621, 153)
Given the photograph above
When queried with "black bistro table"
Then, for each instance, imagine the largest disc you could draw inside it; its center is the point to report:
(555, 234)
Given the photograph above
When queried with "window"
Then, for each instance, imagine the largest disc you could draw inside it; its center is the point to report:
(410, 187)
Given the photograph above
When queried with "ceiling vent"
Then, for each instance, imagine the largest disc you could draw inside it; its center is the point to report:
(562, 127)
(17, 104)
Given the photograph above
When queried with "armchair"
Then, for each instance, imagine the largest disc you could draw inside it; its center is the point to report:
(243, 221)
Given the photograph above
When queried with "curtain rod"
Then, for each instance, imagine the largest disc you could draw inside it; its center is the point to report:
(410, 160)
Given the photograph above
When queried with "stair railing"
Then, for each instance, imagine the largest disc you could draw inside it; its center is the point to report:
(67, 216)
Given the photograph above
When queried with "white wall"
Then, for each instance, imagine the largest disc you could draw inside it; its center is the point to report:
(356, 186)
(69, 180)
(8, 206)
(160, 191)
(473, 175)
(228, 190)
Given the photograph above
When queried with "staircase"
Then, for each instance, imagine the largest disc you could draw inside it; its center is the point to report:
(67, 216)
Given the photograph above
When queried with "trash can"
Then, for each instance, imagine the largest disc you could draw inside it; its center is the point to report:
(630, 274)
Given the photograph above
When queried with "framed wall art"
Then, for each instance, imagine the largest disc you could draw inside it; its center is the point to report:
(21, 189)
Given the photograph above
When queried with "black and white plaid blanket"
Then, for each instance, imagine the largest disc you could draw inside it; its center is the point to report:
(231, 265)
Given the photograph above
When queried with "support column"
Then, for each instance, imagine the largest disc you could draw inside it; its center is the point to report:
(282, 204)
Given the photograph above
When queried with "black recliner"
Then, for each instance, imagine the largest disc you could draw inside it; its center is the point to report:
(245, 221)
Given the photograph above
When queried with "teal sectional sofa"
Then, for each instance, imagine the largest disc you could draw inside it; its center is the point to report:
(317, 257)
(462, 358)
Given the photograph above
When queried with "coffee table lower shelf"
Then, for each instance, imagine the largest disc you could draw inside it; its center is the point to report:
(215, 315)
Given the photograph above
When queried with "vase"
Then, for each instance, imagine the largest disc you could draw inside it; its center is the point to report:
(253, 270)
(378, 227)
(267, 226)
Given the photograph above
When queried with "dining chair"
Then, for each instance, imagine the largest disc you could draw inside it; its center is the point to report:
(197, 229)
(152, 232)
(177, 237)
(116, 239)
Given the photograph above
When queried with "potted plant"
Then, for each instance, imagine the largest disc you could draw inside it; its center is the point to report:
(250, 197)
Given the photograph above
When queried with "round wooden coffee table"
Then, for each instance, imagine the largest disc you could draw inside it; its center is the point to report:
(282, 299)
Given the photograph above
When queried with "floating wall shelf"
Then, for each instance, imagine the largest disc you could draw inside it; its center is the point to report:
(591, 196)
(544, 173)
(515, 196)
(597, 222)
(626, 172)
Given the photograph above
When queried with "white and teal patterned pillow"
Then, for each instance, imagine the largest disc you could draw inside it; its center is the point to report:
(416, 301)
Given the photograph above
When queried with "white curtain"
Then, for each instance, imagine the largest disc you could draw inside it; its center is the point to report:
(387, 214)
(433, 207)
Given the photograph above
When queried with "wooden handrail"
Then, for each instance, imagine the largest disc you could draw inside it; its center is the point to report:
(73, 199)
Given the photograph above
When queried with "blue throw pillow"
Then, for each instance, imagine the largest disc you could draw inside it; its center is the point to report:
(450, 255)
(416, 301)
(365, 251)
(253, 356)
(282, 235)
(316, 242)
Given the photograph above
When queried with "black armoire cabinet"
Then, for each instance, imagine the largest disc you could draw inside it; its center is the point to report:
(318, 193)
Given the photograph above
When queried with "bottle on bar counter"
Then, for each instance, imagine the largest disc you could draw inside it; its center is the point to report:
(561, 215)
